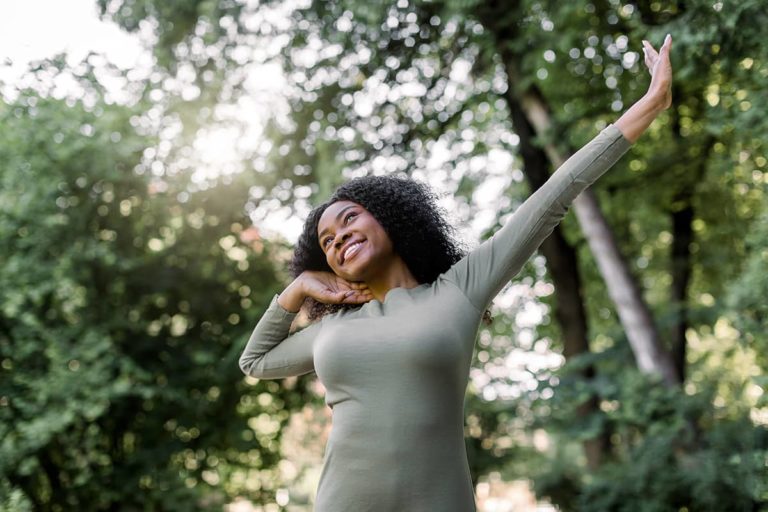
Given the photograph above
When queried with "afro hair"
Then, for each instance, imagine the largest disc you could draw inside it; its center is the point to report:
(408, 212)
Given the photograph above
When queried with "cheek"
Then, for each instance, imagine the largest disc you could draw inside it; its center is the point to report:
(373, 229)
(383, 242)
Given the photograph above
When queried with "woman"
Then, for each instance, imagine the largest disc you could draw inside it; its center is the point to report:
(395, 338)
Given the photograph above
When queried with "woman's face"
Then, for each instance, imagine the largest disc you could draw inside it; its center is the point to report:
(355, 245)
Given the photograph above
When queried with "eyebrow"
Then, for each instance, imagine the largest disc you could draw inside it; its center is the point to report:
(338, 215)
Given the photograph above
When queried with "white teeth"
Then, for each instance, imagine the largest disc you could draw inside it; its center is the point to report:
(350, 249)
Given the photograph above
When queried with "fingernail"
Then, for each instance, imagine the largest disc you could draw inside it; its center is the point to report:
(667, 39)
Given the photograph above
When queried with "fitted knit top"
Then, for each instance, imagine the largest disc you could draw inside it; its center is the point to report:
(396, 371)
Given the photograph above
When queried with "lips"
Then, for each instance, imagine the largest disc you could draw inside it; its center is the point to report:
(344, 250)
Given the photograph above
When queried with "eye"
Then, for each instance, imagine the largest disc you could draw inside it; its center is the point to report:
(346, 219)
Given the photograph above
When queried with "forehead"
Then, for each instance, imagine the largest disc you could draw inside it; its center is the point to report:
(329, 215)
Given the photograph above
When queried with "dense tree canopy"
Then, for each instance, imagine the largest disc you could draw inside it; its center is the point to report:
(129, 284)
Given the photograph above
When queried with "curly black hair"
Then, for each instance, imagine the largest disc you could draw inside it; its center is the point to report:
(408, 212)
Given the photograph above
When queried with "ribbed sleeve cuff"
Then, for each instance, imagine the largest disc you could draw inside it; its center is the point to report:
(279, 313)
(621, 143)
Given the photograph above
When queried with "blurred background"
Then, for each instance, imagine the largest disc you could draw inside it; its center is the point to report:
(157, 160)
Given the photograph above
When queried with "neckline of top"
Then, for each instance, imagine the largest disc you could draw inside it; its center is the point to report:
(398, 289)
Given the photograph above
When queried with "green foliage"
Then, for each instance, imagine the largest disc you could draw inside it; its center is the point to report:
(124, 304)
(672, 449)
(746, 295)
(117, 328)
(172, 22)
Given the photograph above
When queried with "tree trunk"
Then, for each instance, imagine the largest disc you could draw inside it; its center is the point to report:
(562, 265)
(682, 233)
(634, 314)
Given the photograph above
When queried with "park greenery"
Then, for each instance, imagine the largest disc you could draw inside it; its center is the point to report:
(129, 283)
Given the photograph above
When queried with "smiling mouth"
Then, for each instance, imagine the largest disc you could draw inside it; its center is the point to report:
(351, 251)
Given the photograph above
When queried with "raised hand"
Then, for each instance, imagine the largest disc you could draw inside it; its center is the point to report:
(641, 114)
(660, 67)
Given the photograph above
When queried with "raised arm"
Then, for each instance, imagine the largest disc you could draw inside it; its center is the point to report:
(659, 96)
(483, 272)
(271, 353)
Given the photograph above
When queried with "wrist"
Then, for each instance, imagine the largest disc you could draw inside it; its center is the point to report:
(654, 103)
(657, 100)
(292, 297)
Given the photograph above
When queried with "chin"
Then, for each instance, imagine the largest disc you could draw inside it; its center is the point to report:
(358, 274)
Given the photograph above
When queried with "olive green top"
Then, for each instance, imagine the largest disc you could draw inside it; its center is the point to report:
(396, 371)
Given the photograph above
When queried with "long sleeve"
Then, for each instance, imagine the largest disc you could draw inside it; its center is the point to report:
(483, 272)
(273, 354)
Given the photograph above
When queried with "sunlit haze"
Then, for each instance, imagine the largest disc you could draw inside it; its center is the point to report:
(37, 29)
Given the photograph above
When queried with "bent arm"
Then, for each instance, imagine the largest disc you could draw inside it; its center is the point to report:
(271, 353)
(483, 272)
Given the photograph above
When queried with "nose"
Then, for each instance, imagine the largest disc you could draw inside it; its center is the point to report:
(343, 239)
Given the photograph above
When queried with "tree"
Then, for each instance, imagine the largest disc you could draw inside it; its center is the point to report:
(125, 302)
(378, 82)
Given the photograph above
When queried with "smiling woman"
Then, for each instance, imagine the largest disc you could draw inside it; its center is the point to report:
(404, 241)
(358, 249)
(399, 305)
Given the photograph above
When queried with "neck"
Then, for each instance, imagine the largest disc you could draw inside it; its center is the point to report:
(397, 277)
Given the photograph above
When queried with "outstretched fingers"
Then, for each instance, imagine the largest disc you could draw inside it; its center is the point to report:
(652, 56)
(357, 296)
(359, 293)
